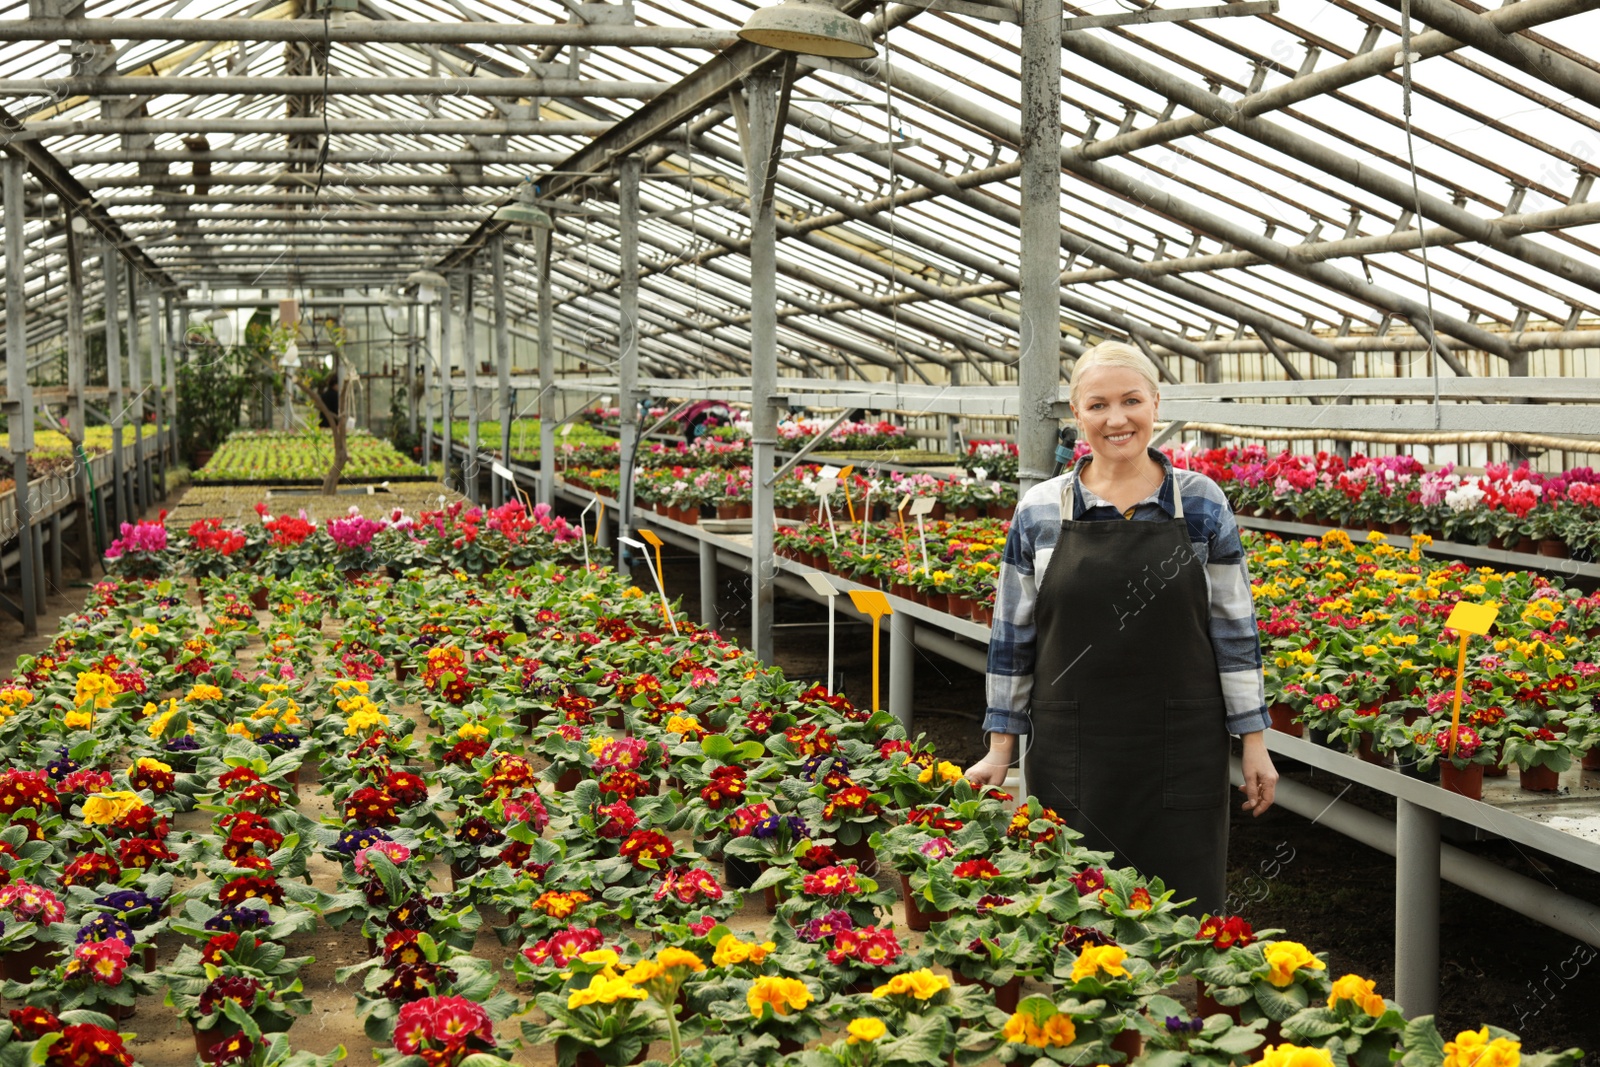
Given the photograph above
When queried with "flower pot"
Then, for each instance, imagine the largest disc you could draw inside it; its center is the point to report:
(916, 918)
(1468, 782)
(969, 512)
(205, 1039)
(739, 873)
(983, 614)
(727, 511)
(1540, 780)
(743, 511)
(1553, 547)
(866, 859)
(1527, 546)
(1591, 759)
(402, 671)
(1130, 1043)
(1283, 720)
(1367, 754)
(258, 598)
(1002, 511)
(958, 605)
(569, 780)
(588, 1057)
(1206, 1005)
(1005, 996)
(19, 963)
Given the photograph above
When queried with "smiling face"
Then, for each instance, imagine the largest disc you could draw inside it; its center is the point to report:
(1116, 411)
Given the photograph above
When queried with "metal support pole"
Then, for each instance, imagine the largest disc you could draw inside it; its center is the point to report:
(170, 361)
(19, 395)
(75, 340)
(502, 359)
(1416, 909)
(447, 399)
(902, 668)
(110, 266)
(1039, 363)
(157, 393)
(430, 354)
(544, 244)
(628, 342)
(760, 115)
(141, 499)
(56, 579)
(708, 585)
(469, 357)
(411, 369)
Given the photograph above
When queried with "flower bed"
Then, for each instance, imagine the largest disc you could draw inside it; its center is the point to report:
(1519, 509)
(585, 773)
(294, 458)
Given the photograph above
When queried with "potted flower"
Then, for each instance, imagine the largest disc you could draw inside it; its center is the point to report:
(1461, 764)
(994, 946)
(1262, 979)
(1069, 1031)
(1539, 754)
(1357, 1021)
(1172, 1039)
(140, 551)
(776, 1012)
(604, 1018)
(450, 1031)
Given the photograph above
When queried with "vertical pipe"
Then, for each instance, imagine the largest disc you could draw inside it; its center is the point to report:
(411, 369)
(157, 394)
(1039, 365)
(469, 358)
(56, 578)
(902, 668)
(708, 585)
(109, 266)
(75, 341)
(1416, 909)
(502, 356)
(141, 499)
(430, 354)
(628, 342)
(758, 137)
(174, 351)
(547, 372)
(447, 403)
(19, 395)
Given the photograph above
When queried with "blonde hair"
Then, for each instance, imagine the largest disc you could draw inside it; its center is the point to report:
(1115, 354)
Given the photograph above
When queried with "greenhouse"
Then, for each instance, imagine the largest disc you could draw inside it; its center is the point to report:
(819, 533)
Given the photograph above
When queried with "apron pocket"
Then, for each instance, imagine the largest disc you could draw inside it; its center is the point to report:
(1053, 750)
(1195, 742)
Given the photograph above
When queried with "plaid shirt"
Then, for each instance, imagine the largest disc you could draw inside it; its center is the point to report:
(1215, 536)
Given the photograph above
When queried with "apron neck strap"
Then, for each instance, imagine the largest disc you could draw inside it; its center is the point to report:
(1069, 496)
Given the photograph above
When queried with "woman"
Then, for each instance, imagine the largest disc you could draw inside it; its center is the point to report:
(1125, 644)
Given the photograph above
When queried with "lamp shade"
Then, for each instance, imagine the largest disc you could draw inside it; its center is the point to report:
(810, 28)
(519, 214)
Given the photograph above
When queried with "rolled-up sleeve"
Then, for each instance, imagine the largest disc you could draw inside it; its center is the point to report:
(1234, 635)
(1013, 638)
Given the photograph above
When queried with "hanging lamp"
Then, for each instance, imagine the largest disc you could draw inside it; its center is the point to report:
(809, 27)
(523, 211)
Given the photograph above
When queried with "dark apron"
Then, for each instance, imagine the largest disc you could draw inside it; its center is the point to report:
(1130, 742)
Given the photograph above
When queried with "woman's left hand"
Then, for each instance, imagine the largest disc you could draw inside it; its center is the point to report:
(1260, 776)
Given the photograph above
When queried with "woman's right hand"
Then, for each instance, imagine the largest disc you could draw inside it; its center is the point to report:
(990, 770)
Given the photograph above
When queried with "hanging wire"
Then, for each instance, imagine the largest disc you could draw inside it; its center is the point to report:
(1416, 200)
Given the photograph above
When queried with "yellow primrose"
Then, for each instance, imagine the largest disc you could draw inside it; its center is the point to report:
(202, 692)
(1294, 1056)
(1284, 958)
(79, 719)
(865, 1029)
(1472, 1048)
(1096, 960)
(103, 809)
(1357, 991)
(784, 995)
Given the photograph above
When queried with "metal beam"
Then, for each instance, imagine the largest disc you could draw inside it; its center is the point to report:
(706, 87)
(1330, 162)
(1039, 363)
(337, 127)
(275, 154)
(304, 179)
(1482, 32)
(295, 85)
(354, 31)
(1378, 62)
